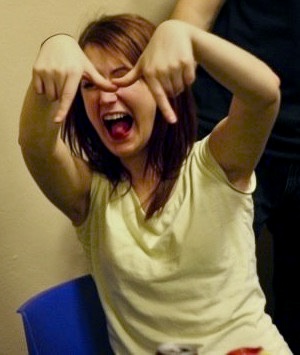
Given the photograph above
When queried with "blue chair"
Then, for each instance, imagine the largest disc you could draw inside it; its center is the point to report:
(66, 319)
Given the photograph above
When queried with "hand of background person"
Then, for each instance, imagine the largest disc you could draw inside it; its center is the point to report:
(167, 65)
(58, 70)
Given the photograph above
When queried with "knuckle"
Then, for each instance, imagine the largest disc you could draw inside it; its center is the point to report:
(74, 71)
(189, 77)
(37, 70)
(67, 96)
(160, 96)
(149, 72)
(51, 97)
(173, 67)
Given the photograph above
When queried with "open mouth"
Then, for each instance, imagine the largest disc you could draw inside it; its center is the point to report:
(118, 125)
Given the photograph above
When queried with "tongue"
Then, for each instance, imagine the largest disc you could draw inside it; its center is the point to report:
(119, 130)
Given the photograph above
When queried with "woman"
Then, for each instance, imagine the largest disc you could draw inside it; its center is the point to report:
(165, 221)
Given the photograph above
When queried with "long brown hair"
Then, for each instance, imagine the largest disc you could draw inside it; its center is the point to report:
(169, 144)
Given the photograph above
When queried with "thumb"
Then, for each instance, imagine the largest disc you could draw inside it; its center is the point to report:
(66, 98)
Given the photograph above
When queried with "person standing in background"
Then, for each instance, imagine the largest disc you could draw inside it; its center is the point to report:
(270, 29)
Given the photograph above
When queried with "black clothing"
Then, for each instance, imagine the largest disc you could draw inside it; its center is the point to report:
(270, 29)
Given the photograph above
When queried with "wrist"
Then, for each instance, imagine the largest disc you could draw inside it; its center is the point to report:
(54, 35)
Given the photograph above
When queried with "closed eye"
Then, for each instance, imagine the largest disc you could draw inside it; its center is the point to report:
(86, 84)
(119, 72)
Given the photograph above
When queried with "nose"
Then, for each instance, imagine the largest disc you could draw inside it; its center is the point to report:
(106, 97)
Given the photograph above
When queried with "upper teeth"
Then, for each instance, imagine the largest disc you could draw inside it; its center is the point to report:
(113, 116)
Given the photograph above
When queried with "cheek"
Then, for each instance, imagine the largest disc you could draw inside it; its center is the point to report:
(138, 97)
(89, 106)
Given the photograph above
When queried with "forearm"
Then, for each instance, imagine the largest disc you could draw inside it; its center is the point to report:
(200, 13)
(63, 179)
(38, 133)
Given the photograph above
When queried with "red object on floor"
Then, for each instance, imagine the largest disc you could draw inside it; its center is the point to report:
(246, 351)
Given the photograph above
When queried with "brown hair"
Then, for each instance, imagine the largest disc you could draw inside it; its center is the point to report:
(169, 144)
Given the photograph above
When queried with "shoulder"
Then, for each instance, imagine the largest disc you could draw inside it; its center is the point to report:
(202, 164)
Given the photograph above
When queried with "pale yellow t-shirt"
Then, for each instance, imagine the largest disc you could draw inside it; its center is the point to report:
(185, 276)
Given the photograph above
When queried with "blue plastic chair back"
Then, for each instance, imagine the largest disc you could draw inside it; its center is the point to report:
(66, 319)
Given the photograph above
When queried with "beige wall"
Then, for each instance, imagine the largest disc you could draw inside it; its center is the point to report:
(38, 246)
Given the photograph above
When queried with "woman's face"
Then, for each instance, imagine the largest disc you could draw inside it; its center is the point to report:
(124, 118)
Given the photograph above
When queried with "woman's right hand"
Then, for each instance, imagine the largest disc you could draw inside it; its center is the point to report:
(58, 70)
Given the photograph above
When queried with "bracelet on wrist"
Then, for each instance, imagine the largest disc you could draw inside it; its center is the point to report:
(55, 34)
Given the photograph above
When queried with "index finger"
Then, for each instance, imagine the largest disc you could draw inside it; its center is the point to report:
(66, 98)
(162, 100)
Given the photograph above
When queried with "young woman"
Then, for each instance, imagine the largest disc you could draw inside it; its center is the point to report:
(166, 222)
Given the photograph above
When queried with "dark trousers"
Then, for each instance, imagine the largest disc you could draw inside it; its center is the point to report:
(277, 205)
